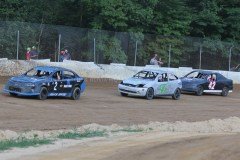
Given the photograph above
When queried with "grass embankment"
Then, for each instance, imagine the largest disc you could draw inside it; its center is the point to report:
(23, 142)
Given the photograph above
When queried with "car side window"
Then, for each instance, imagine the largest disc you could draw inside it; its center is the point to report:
(163, 77)
(172, 77)
(68, 75)
(57, 75)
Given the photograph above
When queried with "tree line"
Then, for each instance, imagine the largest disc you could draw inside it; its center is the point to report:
(212, 20)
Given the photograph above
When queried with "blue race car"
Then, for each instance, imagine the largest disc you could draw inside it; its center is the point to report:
(46, 81)
(200, 82)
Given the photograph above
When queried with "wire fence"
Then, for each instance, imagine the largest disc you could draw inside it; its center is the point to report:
(104, 47)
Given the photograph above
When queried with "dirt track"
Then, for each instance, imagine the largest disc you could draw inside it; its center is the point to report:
(152, 146)
(102, 104)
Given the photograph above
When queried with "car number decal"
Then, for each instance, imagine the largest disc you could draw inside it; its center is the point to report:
(163, 88)
(55, 86)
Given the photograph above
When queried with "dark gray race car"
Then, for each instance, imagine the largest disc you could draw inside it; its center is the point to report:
(200, 82)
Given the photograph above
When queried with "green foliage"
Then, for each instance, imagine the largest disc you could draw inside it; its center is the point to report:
(113, 52)
(77, 135)
(128, 130)
(213, 20)
(23, 143)
(161, 46)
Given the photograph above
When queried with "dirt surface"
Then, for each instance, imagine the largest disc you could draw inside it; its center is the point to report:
(152, 146)
(101, 103)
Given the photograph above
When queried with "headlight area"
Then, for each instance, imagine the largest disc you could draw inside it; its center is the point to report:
(30, 85)
(140, 85)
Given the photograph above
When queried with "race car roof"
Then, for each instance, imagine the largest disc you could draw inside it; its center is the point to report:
(49, 68)
(156, 71)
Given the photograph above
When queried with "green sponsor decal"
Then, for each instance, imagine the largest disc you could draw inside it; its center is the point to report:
(163, 88)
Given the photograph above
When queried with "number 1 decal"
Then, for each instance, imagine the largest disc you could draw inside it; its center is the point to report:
(55, 86)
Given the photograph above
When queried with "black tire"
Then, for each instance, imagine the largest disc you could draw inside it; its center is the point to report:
(43, 93)
(124, 94)
(225, 92)
(76, 93)
(177, 94)
(13, 94)
(199, 91)
(149, 94)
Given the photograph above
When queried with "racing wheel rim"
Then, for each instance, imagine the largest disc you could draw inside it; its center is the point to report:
(225, 91)
(199, 91)
(76, 93)
(43, 93)
(150, 94)
(177, 94)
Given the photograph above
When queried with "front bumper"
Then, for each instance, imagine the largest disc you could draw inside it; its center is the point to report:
(132, 90)
(20, 91)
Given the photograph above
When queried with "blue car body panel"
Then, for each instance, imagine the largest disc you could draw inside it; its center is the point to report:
(30, 85)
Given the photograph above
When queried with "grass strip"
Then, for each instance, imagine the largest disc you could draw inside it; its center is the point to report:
(128, 130)
(23, 143)
(77, 135)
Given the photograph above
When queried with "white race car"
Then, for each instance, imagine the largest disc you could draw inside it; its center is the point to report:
(151, 83)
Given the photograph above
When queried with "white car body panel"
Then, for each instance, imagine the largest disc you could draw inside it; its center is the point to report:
(161, 88)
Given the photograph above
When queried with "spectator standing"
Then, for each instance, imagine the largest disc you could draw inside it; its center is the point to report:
(28, 55)
(61, 56)
(34, 53)
(156, 61)
(67, 55)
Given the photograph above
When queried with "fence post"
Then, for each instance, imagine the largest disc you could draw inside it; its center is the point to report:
(17, 43)
(135, 56)
(169, 55)
(59, 45)
(230, 57)
(94, 50)
(200, 57)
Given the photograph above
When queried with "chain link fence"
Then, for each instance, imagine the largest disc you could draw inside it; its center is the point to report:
(104, 47)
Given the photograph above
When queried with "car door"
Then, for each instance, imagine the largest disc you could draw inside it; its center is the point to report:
(56, 85)
(220, 82)
(161, 86)
(69, 80)
(173, 83)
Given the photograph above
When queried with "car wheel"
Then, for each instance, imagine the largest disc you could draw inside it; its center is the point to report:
(149, 94)
(225, 91)
(176, 94)
(13, 94)
(124, 94)
(199, 91)
(43, 93)
(76, 93)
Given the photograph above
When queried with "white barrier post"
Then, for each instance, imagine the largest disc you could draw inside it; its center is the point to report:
(94, 50)
(135, 57)
(17, 43)
(229, 60)
(59, 45)
(169, 55)
(200, 57)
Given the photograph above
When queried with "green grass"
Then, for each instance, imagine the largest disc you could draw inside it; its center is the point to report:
(76, 135)
(23, 143)
(128, 130)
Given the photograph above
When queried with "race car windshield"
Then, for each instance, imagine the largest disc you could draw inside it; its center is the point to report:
(37, 73)
(146, 75)
(197, 75)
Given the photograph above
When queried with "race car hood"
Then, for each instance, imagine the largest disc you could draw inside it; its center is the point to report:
(27, 79)
(137, 81)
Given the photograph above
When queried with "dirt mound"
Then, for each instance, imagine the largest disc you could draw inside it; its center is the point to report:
(229, 125)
